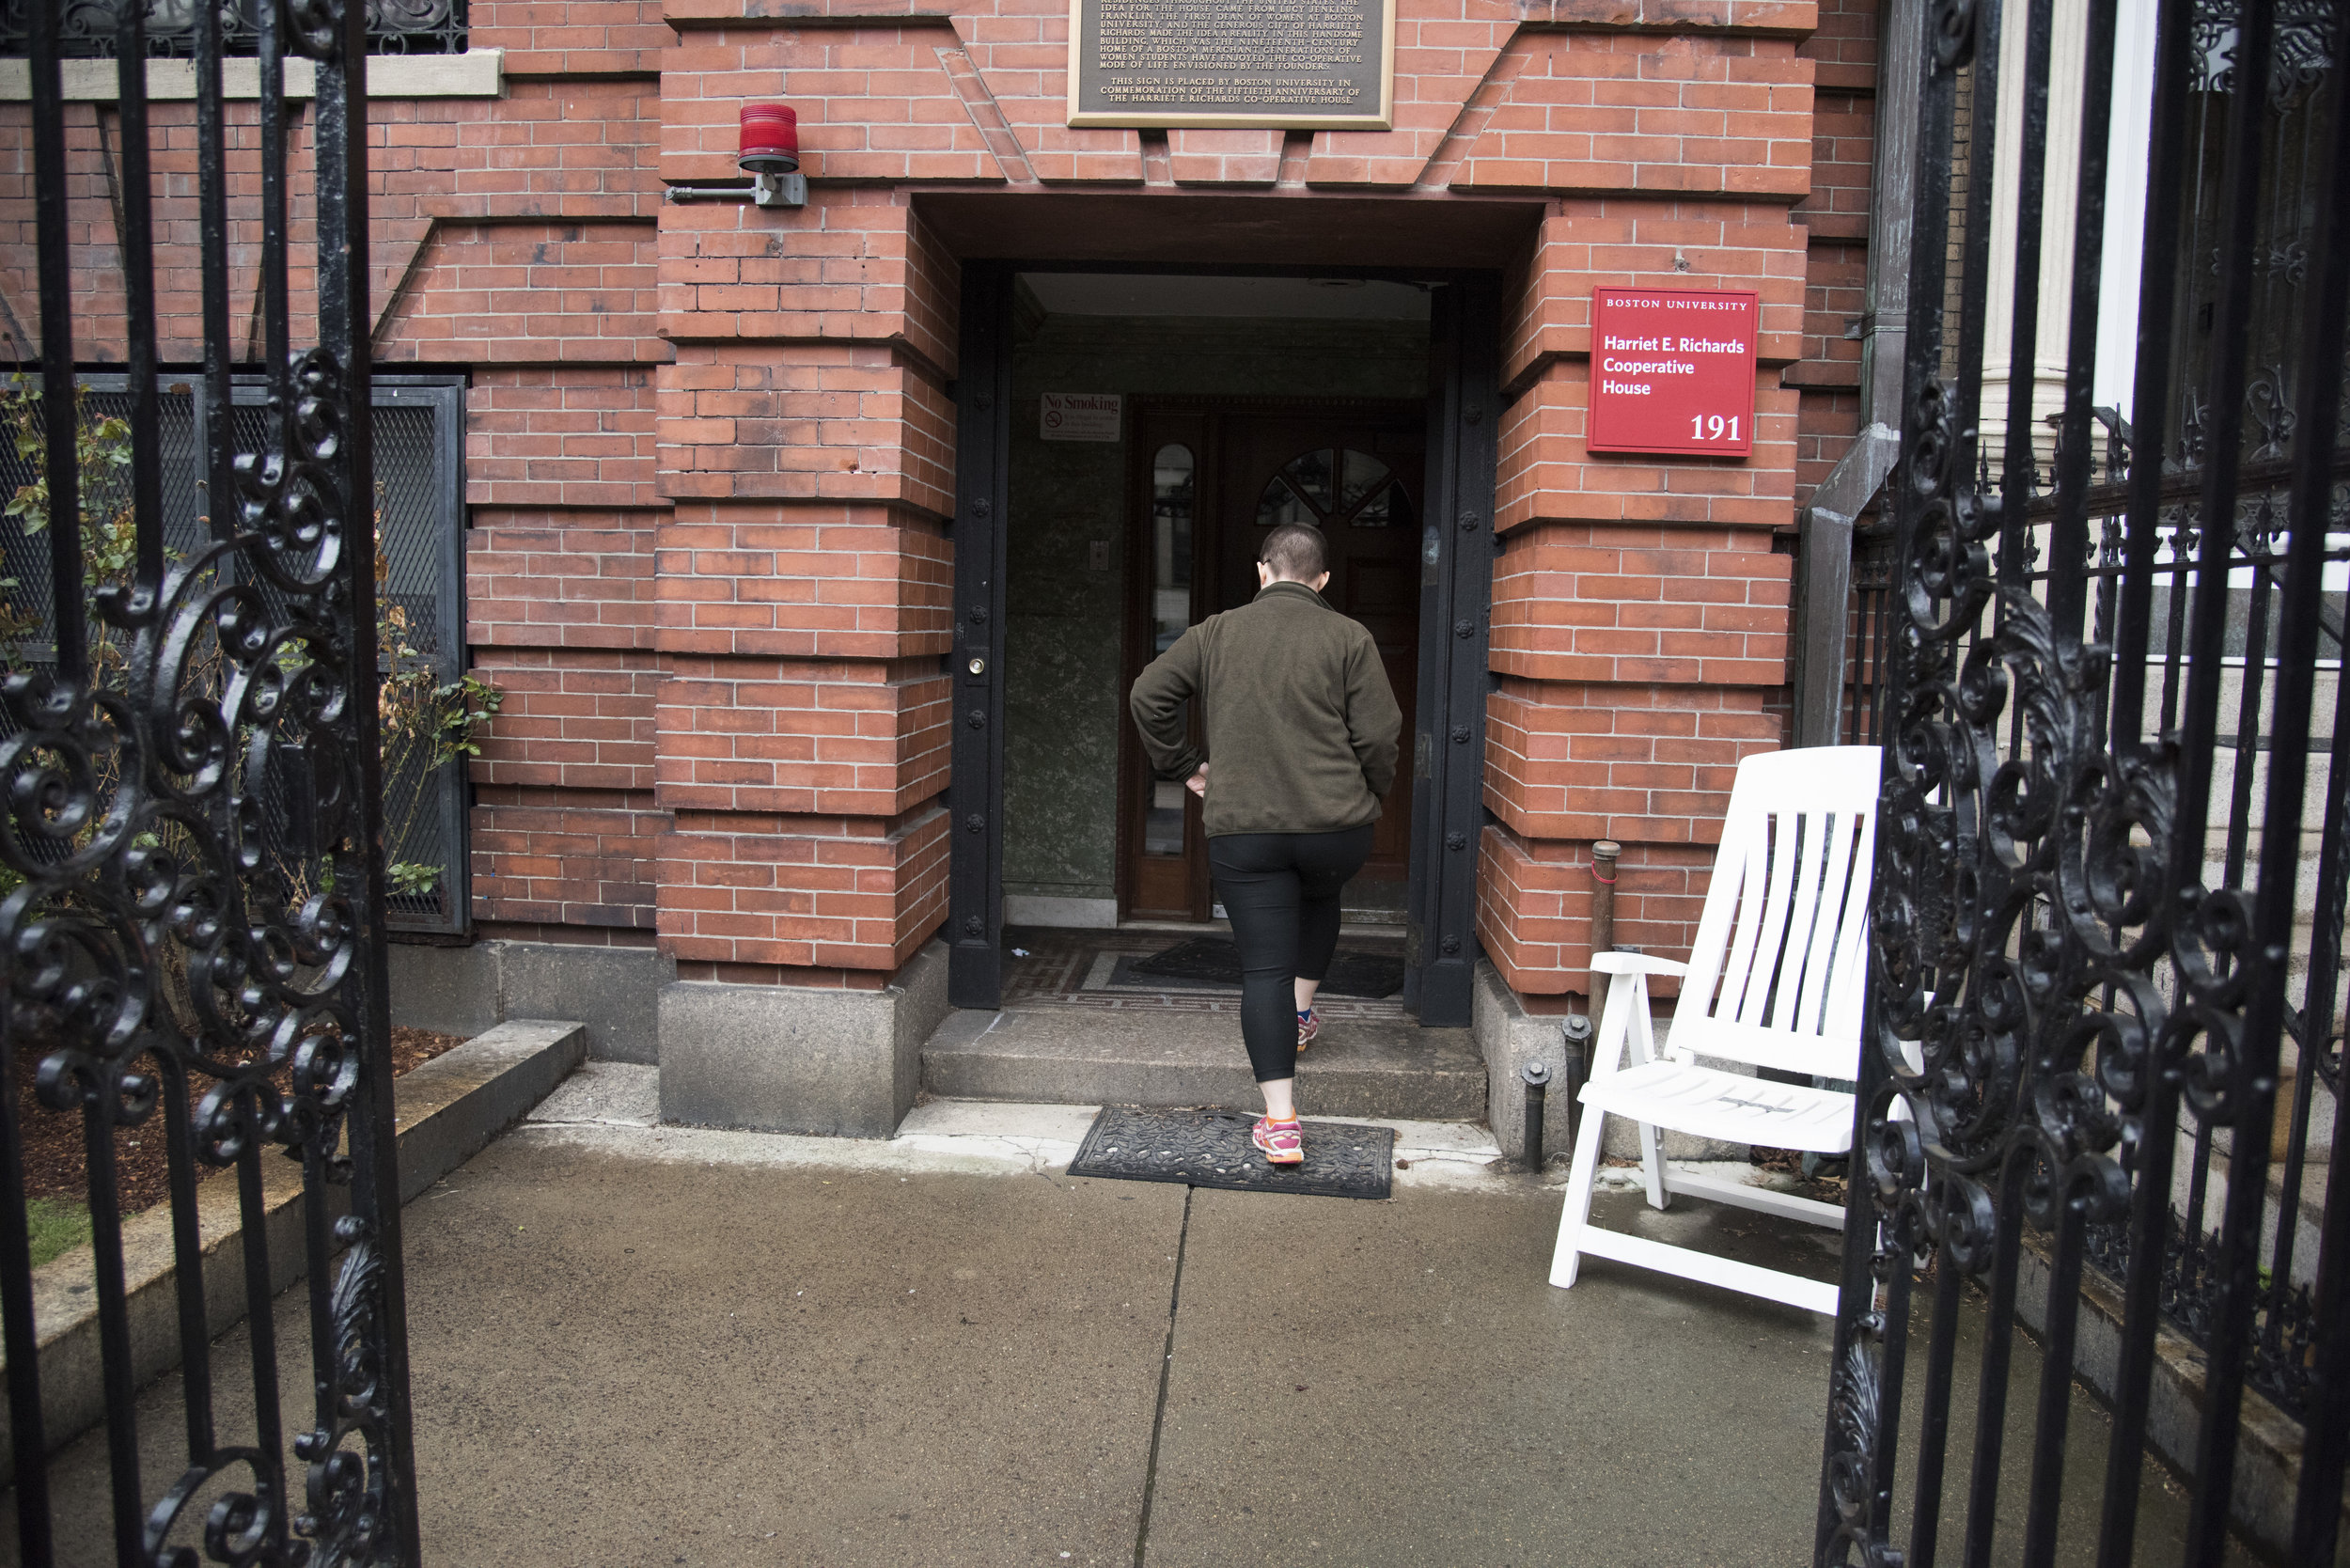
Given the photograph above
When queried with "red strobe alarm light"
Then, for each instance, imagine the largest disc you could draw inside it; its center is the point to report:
(771, 139)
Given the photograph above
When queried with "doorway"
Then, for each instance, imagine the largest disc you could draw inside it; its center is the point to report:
(1363, 403)
(1210, 478)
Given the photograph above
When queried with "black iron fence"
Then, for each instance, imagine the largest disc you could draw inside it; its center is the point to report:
(192, 849)
(2310, 1090)
(2107, 1005)
(2254, 534)
(1861, 718)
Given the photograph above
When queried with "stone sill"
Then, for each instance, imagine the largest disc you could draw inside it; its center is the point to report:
(475, 73)
(2268, 1441)
(447, 1110)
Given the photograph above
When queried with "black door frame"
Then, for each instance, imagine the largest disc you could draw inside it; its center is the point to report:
(1456, 592)
(1455, 618)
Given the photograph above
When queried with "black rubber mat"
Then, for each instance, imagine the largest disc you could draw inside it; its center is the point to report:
(1128, 974)
(1210, 1148)
(1214, 961)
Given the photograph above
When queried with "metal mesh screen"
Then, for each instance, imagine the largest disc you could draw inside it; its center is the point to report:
(24, 558)
(411, 533)
(24, 575)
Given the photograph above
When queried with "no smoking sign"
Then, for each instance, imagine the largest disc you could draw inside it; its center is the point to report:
(1080, 416)
(1672, 371)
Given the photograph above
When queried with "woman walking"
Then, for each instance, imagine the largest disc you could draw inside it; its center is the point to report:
(1301, 728)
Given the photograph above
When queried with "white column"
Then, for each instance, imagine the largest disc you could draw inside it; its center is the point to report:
(2127, 154)
(2060, 184)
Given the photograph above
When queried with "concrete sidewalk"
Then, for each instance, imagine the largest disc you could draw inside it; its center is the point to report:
(639, 1345)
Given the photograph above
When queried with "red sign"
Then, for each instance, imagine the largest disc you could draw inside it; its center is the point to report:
(1673, 370)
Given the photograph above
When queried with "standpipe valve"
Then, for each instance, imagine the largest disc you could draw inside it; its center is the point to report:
(1536, 1076)
(1577, 1038)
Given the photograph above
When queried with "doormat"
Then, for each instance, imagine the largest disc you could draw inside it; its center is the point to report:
(1214, 961)
(1210, 1148)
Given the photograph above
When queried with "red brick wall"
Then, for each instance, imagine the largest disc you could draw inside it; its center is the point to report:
(565, 863)
(800, 891)
(1593, 112)
(710, 448)
(818, 580)
(1534, 904)
(1640, 663)
(535, 267)
(802, 736)
(807, 444)
(1639, 621)
(93, 174)
(512, 238)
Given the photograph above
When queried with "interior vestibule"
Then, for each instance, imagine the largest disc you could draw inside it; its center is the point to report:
(1225, 343)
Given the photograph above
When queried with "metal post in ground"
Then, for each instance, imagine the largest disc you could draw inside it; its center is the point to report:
(1536, 1076)
(1578, 1040)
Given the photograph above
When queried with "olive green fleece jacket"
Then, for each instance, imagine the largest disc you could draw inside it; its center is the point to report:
(1301, 724)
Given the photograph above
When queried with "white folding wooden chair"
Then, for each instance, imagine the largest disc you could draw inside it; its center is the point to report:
(1774, 979)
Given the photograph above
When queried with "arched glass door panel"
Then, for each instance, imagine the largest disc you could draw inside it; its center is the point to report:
(1174, 496)
(1334, 488)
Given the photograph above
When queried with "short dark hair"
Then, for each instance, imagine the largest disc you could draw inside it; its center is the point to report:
(1296, 551)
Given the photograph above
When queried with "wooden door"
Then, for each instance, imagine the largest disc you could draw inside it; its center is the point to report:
(1355, 475)
(1170, 497)
(1210, 481)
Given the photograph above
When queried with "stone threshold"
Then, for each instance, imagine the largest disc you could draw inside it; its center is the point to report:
(615, 1107)
(446, 1109)
(1096, 1048)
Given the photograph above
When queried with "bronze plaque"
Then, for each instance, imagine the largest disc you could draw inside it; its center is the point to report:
(1327, 65)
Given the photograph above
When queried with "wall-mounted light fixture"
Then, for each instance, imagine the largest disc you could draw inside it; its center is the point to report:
(769, 153)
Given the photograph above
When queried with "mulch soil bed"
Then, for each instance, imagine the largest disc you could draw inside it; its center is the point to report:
(54, 1163)
(1824, 1188)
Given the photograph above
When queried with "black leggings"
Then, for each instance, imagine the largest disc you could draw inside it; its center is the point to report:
(1282, 893)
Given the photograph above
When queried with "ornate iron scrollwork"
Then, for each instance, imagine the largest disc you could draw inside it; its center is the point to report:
(350, 1473)
(88, 28)
(2301, 55)
(2066, 991)
(2014, 891)
(179, 946)
(1856, 1425)
(159, 934)
(1953, 33)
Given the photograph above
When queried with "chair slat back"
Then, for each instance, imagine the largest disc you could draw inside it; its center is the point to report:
(1777, 971)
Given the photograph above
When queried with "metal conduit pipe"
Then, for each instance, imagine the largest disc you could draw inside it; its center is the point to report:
(765, 190)
(1604, 853)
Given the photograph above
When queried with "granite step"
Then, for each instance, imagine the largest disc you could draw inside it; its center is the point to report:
(1390, 1068)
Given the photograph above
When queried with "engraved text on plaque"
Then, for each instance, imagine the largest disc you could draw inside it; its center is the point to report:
(1326, 64)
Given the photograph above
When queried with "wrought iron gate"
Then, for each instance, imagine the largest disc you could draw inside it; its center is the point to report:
(2111, 875)
(419, 538)
(178, 955)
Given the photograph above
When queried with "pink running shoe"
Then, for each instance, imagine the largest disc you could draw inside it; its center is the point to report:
(1308, 1026)
(1282, 1141)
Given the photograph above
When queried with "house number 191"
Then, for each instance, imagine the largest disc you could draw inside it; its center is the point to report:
(1713, 426)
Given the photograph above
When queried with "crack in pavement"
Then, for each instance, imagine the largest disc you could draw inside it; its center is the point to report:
(1167, 1367)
